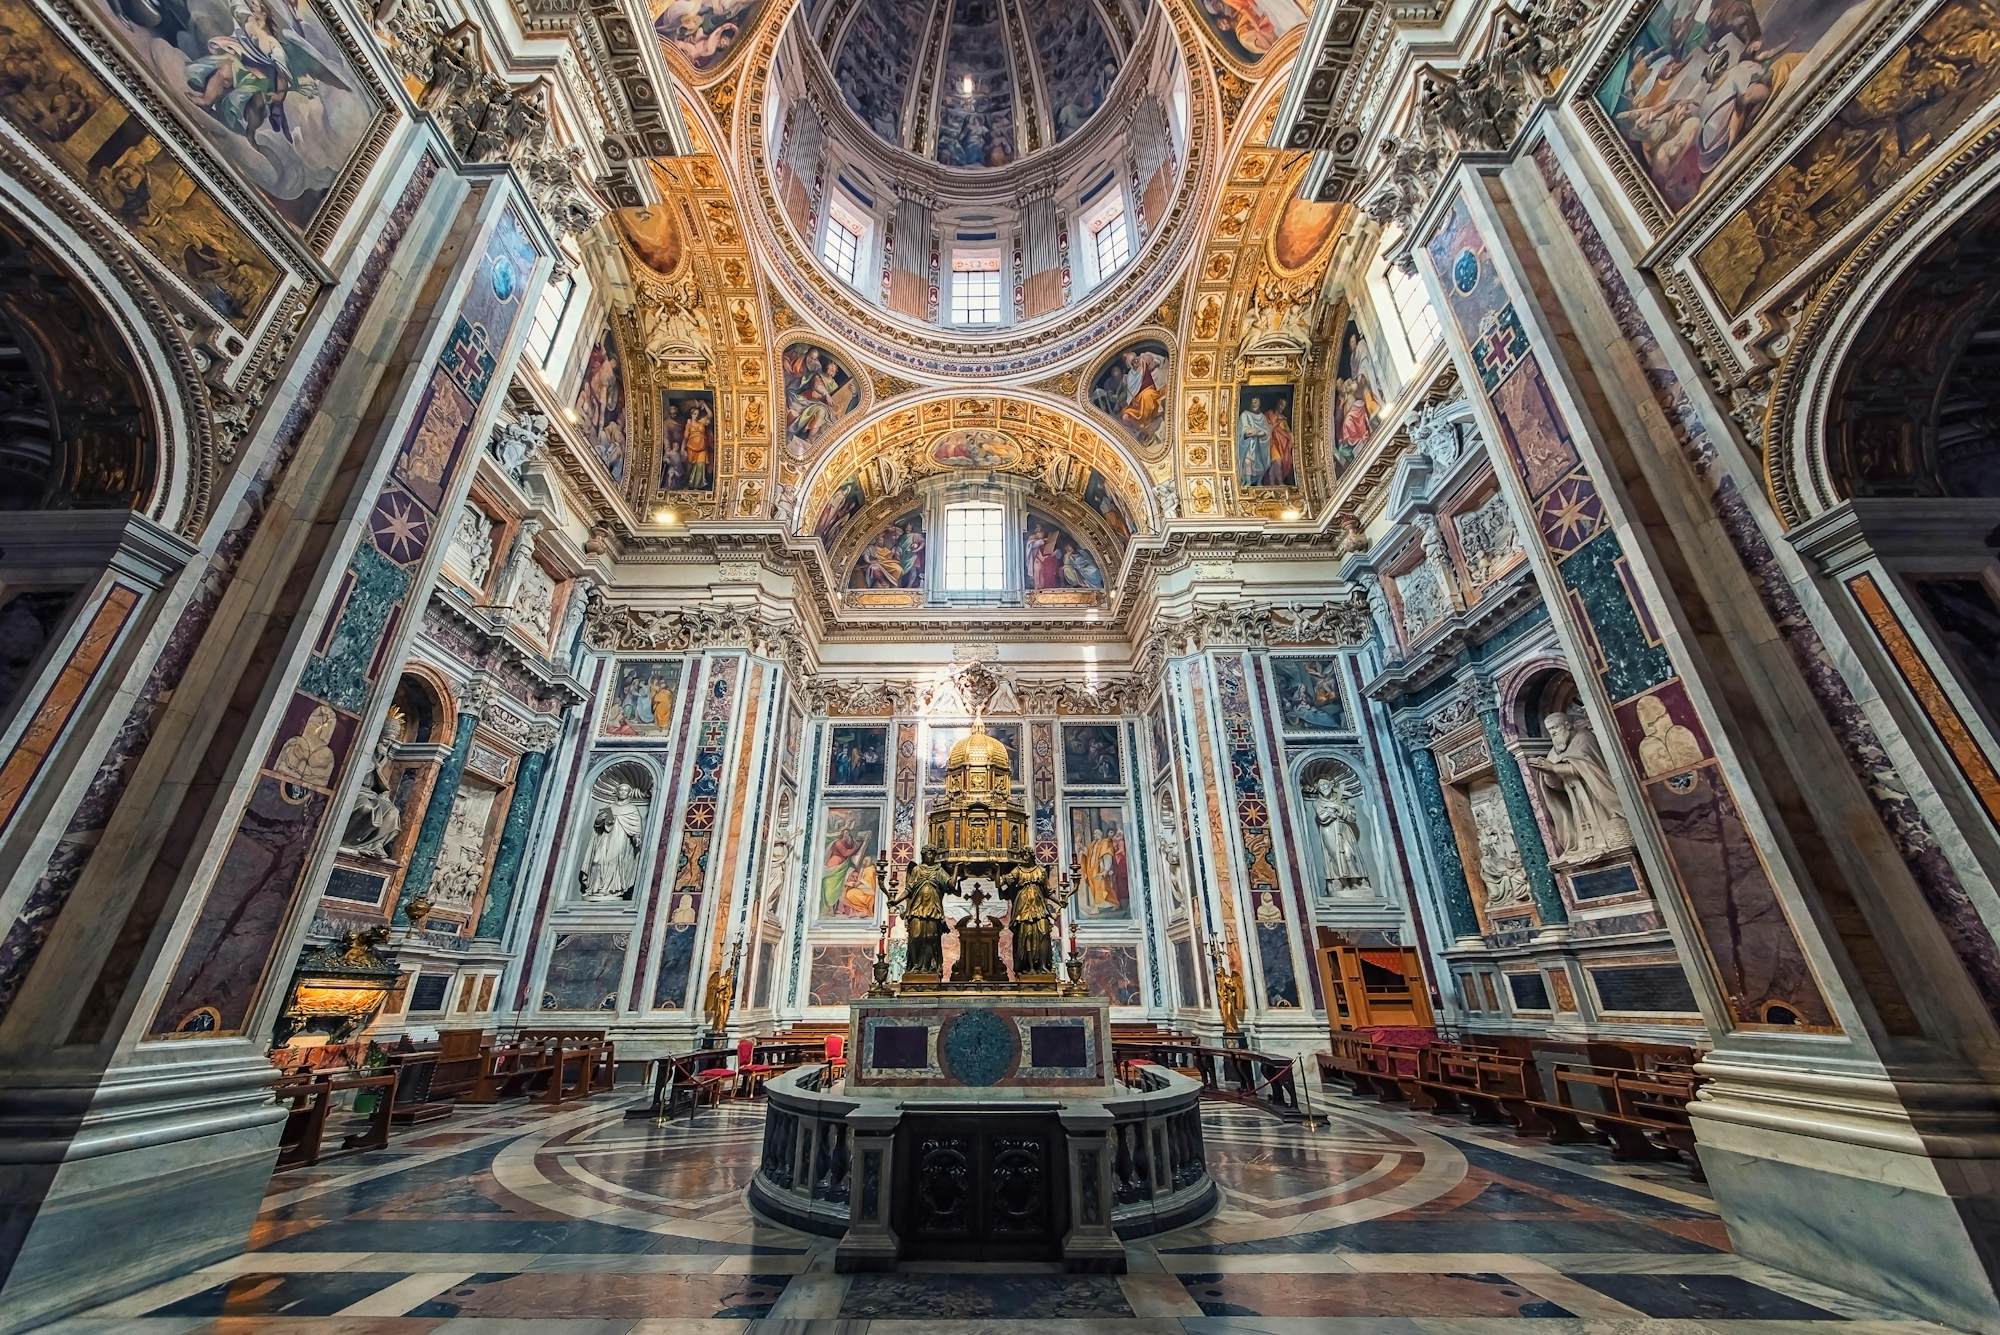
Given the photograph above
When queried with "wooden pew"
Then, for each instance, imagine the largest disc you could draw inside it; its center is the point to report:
(458, 1062)
(416, 1098)
(605, 1072)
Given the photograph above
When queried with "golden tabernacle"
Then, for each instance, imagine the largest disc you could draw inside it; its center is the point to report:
(976, 845)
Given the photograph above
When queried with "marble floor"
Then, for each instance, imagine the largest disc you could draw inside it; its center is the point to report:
(1371, 1220)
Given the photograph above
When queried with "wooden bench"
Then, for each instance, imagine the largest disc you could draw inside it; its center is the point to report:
(1642, 1115)
(605, 1075)
(416, 1098)
(301, 1143)
(458, 1062)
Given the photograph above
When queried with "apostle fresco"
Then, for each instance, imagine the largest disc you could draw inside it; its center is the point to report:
(893, 558)
(1132, 390)
(1052, 559)
(1266, 454)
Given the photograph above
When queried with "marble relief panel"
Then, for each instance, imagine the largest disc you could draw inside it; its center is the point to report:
(1422, 599)
(461, 863)
(1489, 542)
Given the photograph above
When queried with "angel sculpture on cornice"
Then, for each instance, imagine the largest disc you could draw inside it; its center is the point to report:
(673, 323)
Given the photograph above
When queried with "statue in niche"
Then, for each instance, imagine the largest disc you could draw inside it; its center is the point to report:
(1339, 838)
(1034, 919)
(1576, 784)
(1170, 853)
(921, 902)
(611, 861)
(375, 820)
(1500, 866)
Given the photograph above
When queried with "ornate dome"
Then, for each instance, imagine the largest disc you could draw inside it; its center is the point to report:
(978, 748)
(975, 84)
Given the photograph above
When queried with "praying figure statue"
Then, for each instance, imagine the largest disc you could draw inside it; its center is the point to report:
(921, 902)
(611, 862)
(374, 821)
(1339, 836)
(1576, 783)
(1033, 919)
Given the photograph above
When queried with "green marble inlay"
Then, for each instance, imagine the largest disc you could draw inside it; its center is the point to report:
(437, 814)
(339, 675)
(1630, 663)
(1521, 815)
(1437, 825)
(513, 844)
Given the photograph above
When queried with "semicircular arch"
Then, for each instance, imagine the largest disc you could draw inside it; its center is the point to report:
(1023, 432)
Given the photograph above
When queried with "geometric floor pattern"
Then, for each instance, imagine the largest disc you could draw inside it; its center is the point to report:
(578, 1222)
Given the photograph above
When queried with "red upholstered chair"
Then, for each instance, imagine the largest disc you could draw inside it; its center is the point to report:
(750, 1073)
(836, 1054)
(709, 1084)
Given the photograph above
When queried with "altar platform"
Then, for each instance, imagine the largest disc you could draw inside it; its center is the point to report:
(983, 1127)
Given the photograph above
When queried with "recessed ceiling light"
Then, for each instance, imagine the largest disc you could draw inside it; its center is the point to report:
(665, 515)
(1288, 514)
(572, 416)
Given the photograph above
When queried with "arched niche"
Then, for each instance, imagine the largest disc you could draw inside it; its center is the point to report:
(1566, 765)
(105, 461)
(609, 846)
(1882, 454)
(1340, 825)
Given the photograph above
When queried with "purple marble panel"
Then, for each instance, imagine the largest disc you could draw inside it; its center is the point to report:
(216, 984)
(1755, 954)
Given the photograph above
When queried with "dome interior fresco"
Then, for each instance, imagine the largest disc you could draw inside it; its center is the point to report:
(973, 84)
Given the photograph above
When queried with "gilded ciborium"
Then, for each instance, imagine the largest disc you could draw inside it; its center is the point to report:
(978, 834)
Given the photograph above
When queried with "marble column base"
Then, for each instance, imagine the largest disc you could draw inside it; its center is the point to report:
(111, 1186)
(1888, 1188)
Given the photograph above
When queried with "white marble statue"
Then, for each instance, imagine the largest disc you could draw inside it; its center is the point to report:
(1576, 786)
(375, 820)
(611, 860)
(1339, 838)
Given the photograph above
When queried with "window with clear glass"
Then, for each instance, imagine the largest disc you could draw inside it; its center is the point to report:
(1413, 305)
(550, 309)
(975, 552)
(975, 289)
(841, 249)
(1111, 243)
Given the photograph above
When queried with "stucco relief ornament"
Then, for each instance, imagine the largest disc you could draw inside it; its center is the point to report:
(673, 325)
(1168, 497)
(1435, 432)
(515, 442)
